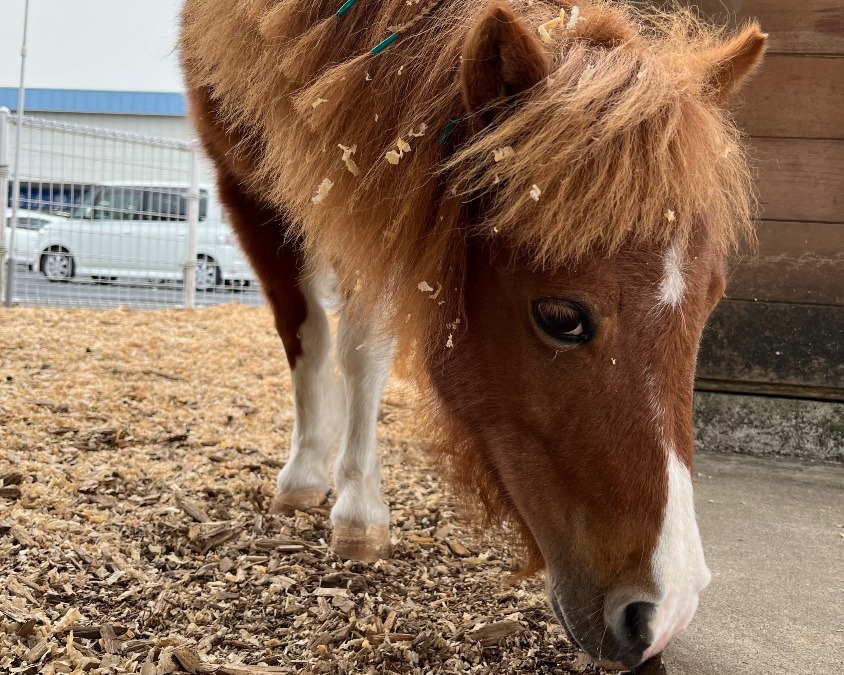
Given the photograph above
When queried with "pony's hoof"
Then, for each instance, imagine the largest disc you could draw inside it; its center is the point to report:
(367, 543)
(285, 503)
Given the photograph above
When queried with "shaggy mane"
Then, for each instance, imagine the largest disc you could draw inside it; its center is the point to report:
(621, 143)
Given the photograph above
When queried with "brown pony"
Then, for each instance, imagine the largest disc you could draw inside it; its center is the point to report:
(532, 202)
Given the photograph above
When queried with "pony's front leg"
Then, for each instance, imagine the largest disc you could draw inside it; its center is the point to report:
(319, 408)
(360, 519)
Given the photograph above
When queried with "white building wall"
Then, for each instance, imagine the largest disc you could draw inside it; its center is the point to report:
(168, 126)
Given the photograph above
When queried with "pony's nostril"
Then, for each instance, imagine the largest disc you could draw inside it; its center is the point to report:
(636, 617)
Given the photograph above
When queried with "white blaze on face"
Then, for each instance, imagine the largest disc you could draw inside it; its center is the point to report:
(673, 285)
(678, 566)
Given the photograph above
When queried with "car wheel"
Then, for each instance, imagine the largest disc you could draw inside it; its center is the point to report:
(57, 265)
(207, 273)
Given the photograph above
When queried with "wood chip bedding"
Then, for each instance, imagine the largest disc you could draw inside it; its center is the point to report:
(138, 452)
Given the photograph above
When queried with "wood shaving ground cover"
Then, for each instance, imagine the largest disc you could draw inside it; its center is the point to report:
(139, 451)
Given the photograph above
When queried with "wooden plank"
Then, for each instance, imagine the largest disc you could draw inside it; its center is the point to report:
(806, 27)
(794, 262)
(799, 179)
(770, 389)
(774, 343)
(794, 96)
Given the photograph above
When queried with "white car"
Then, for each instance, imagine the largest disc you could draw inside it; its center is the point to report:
(140, 232)
(30, 223)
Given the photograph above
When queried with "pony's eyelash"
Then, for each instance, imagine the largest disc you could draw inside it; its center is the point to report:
(557, 312)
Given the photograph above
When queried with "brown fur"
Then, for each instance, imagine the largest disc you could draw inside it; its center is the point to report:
(618, 122)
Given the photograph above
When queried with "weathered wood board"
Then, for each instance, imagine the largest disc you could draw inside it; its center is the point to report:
(794, 96)
(795, 26)
(794, 262)
(800, 179)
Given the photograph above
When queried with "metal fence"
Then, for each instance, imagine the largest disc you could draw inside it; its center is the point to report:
(105, 218)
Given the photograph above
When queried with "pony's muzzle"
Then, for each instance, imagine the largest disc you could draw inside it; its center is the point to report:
(634, 627)
(641, 628)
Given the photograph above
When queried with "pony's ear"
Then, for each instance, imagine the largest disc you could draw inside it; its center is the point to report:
(729, 64)
(501, 59)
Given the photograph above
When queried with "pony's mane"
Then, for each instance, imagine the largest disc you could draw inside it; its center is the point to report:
(621, 144)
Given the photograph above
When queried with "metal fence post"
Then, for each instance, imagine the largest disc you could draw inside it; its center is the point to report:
(5, 119)
(193, 220)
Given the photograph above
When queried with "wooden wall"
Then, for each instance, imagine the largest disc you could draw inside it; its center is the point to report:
(781, 328)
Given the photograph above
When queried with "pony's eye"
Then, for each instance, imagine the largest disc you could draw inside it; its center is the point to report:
(563, 321)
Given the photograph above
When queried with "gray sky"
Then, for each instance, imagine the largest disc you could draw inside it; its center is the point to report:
(125, 45)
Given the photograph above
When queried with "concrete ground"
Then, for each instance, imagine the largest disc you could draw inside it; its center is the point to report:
(773, 531)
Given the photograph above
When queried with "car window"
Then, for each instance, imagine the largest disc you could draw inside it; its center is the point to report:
(172, 204)
(164, 205)
(118, 204)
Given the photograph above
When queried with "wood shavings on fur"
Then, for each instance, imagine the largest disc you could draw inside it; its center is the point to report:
(546, 28)
(425, 287)
(351, 165)
(586, 76)
(500, 154)
(450, 342)
(322, 191)
(318, 102)
(413, 133)
(535, 192)
(575, 15)
(393, 156)
(669, 216)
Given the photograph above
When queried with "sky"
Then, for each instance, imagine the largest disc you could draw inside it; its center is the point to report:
(120, 45)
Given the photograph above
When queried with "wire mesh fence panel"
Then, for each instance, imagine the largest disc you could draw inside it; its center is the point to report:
(108, 218)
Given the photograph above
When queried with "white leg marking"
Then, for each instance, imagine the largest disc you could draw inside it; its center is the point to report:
(318, 398)
(366, 358)
(679, 568)
(673, 285)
